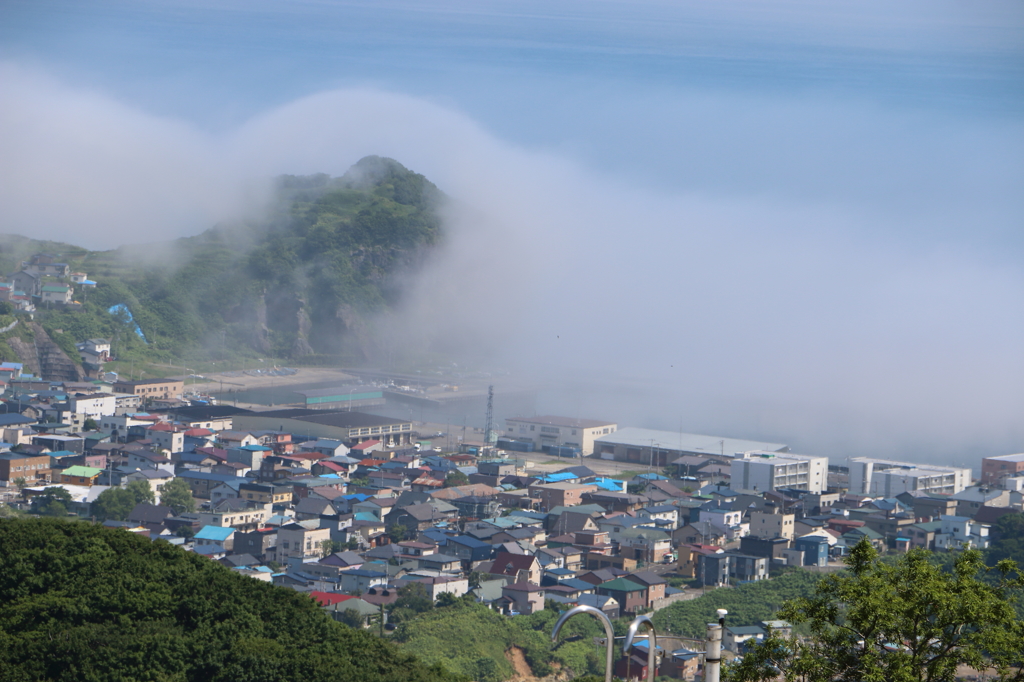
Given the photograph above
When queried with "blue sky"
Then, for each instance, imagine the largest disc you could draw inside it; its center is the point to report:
(795, 221)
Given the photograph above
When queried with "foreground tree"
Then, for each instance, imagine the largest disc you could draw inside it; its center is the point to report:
(902, 622)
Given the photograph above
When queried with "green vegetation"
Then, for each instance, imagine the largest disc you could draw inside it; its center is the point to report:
(177, 495)
(53, 501)
(117, 503)
(747, 604)
(83, 602)
(302, 285)
(907, 621)
(472, 640)
(455, 478)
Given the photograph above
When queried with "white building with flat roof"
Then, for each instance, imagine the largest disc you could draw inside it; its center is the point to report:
(661, 448)
(888, 478)
(548, 431)
(762, 471)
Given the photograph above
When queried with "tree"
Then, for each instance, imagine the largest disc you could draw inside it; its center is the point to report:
(413, 596)
(1007, 540)
(446, 599)
(117, 503)
(398, 532)
(90, 424)
(329, 547)
(455, 478)
(897, 622)
(351, 618)
(20, 482)
(177, 495)
(53, 501)
(141, 491)
(185, 531)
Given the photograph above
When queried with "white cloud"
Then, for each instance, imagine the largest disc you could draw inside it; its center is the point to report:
(835, 323)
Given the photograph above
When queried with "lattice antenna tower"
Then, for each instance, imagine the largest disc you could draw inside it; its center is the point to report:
(489, 422)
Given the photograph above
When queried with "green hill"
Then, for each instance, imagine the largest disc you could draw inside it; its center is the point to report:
(83, 602)
(303, 282)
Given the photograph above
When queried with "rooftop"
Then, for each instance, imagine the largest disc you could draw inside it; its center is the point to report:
(569, 422)
(687, 442)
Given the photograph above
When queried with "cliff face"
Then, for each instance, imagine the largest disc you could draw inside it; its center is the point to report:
(44, 358)
(308, 278)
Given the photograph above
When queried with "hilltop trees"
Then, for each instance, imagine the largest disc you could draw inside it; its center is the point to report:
(83, 602)
(906, 621)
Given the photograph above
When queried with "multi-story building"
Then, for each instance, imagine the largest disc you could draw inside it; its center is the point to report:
(550, 431)
(553, 495)
(32, 468)
(995, 468)
(301, 539)
(94, 404)
(766, 526)
(889, 478)
(151, 388)
(761, 471)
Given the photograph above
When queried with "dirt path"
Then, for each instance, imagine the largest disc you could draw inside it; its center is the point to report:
(524, 674)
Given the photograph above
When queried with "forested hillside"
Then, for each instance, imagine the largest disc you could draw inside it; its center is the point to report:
(304, 281)
(83, 602)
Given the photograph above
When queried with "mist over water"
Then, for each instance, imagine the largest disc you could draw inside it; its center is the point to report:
(819, 253)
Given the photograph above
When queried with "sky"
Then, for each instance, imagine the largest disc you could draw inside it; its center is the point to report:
(798, 222)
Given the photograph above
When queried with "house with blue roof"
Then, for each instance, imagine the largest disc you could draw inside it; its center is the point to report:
(222, 537)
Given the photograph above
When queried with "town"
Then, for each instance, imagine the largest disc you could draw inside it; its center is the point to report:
(353, 508)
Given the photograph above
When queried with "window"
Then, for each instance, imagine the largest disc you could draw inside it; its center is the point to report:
(531, 427)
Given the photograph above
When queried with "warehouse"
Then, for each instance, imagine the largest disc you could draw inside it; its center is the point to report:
(661, 448)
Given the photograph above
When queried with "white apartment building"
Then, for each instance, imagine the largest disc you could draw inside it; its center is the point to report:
(549, 430)
(888, 478)
(93, 405)
(761, 471)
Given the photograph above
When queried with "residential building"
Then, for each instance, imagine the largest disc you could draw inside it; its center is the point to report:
(761, 471)
(301, 539)
(524, 598)
(215, 536)
(766, 525)
(746, 568)
(957, 531)
(631, 595)
(889, 478)
(93, 404)
(79, 475)
(554, 495)
(55, 293)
